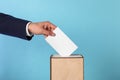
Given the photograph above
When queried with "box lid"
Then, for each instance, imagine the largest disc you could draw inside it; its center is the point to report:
(71, 56)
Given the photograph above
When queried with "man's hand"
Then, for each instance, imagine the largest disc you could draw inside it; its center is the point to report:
(42, 28)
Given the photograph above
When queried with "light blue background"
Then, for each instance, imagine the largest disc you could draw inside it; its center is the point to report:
(94, 25)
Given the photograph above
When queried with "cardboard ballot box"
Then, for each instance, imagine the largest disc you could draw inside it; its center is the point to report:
(67, 68)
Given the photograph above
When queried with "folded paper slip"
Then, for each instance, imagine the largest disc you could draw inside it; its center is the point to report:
(61, 43)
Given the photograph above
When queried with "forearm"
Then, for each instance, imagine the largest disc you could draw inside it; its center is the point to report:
(12, 26)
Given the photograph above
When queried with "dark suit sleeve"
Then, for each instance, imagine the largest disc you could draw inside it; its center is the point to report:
(12, 26)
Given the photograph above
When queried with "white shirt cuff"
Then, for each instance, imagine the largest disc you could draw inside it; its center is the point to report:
(27, 32)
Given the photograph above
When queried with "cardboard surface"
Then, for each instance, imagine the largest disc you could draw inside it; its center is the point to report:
(67, 68)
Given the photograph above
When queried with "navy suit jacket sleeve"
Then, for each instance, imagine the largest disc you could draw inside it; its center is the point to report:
(12, 26)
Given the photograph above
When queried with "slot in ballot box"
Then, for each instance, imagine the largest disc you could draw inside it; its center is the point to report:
(67, 68)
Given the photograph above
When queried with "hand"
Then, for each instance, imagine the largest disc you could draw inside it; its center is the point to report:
(42, 28)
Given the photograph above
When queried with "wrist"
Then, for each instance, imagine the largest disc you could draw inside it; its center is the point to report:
(31, 28)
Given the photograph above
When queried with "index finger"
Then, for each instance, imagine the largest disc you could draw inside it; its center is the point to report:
(53, 26)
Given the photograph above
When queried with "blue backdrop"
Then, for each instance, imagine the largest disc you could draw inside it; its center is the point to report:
(94, 25)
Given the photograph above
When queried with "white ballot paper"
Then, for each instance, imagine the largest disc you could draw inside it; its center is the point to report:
(61, 43)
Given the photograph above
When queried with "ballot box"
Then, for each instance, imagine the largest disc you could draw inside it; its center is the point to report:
(67, 68)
